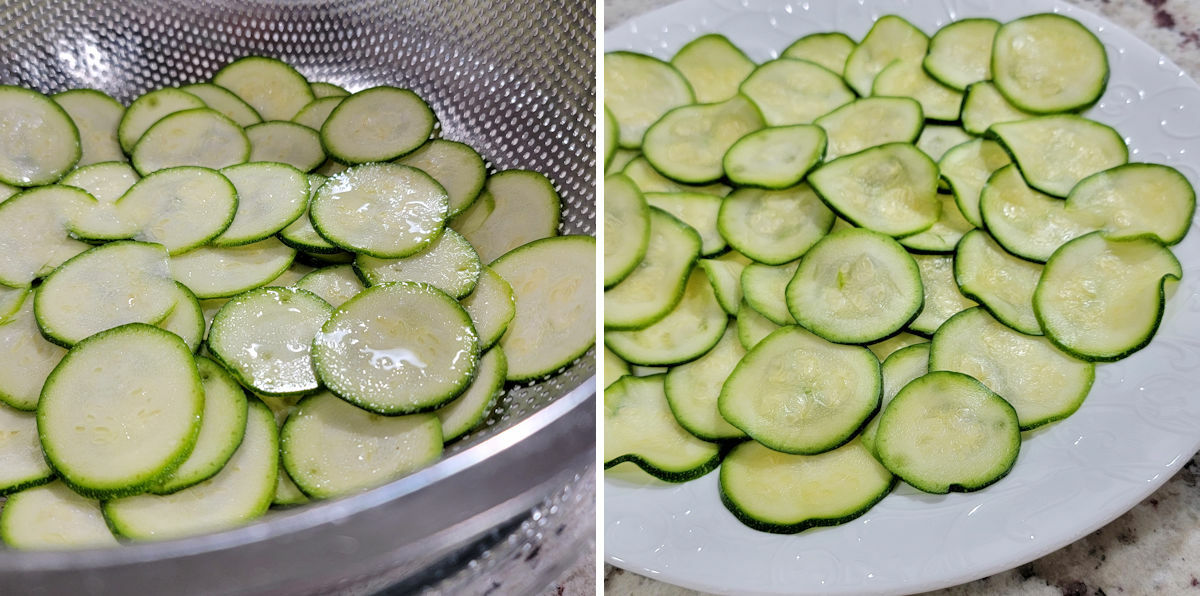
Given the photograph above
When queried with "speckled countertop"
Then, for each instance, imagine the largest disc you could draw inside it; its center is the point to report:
(1155, 547)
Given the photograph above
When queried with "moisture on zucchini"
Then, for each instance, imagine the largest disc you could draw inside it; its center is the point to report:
(377, 124)
(380, 209)
(96, 117)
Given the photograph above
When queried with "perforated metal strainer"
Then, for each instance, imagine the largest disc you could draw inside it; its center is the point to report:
(516, 80)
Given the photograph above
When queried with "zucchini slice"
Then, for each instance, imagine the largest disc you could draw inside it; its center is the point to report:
(937, 139)
(240, 492)
(776, 157)
(316, 113)
(1040, 382)
(827, 49)
(626, 228)
(449, 263)
(725, 275)
(456, 166)
(1001, 283)
(491, 306)
(331, 448)
(150, 108)
(656, 285)
(376, 124)
(22, 465)
(554, 286)
(690, 330)
(869, 122)
(856, 286)
(381, 209)
(1137, 198)
(214, 272)
(765, 288)
(753, 327)
(692, 389)
(898, 370)
(797, 393)
(393, 365)
(907, 79)
(1103, 299)
(984, 106)
(1056, 152)
(890, 189)
(966, 169)
(640, 428)
(26, 358)
(638, 90)
(960, 53)
(1048, 62)
(946, 432)
(698, 210)
(944, 234)
(180, 208)
(96, 116)
(34, 238)
(195, 137)
(713, 66)
(53, 517)
(647, 179)
(273, 88)
(124, 435)
(942, 296)
(689, 142)
(884, 348)
(264, 337)
(891, 38)
(286, 142)
(468, 410)
(524, 208)
(225, 102)
(614, 367)
(106, 181)
(774, 226)
(791, 91)
(300, 234)
(611, 131)
(335, 284)
(785, 494)
(321, 90)
(1026, 222)
(270, 196)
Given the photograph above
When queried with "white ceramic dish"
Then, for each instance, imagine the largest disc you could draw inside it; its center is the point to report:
(1140, 424)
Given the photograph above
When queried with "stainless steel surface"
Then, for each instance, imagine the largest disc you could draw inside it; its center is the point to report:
(516, 80)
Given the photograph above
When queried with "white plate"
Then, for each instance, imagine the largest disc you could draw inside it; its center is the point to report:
(1140, 424)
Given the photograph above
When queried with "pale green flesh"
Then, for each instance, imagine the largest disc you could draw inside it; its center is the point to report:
(895, 343)
(186, 318)
(638, 424)
(26, 358)
(945, 233)
(491, 307)
(21, 462)
(96, 116)
(225, 102)
(553, 282)
(827, 49)
(1049, 63)
(689, 143)
(301, 234)
(890, 38)
(317, 112)
(725, 275)
(53, 517)
(1056, 152)
(937, 139)
(697, 210)
(909, 79)
(121, 436)
(765, 287)
(108, 286)
(942, 296)
(856, 286)
(11, 300)
(966, 168)
(752, 327)
(40, 142)
(775, 157)
(638, 90)
(984, 106)
(647, 179)
(334, 284)
(274, 89)
(1103, 299)
(331, 448)
(891, 189)
(692, 389)
(385, 210)
(197, 137)
(180, 208)
(394, 365)
(286, 142)
(900, 368)
(790, 91)
(377, 124)
(1040, 381)
(614, 367)
(34, 232)
(797, 393)
(774, 226)
(469, 409)
(688, 331)
(1001, 282)
(869, 122)
(945, 431)
(1139, 198)
(1026, 222)
(270, 196)
(213, 272)
(321, 90)
(456, 166)
(960, 53)
(239, 493)
(149, 109)
(653, 288)
(449, 263)
(626, 228)
(713, 66)
(105, 181)
(265, 337)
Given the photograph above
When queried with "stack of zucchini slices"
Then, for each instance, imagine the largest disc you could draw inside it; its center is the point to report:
(255, 291)
(863, 262)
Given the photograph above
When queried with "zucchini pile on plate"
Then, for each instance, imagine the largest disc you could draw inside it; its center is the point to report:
(871, 261)
(256, 291)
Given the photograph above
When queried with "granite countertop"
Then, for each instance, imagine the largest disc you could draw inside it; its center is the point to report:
(1153, 548)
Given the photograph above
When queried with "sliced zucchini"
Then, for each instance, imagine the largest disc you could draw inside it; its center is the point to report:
(638, 90)
(122, 436)
(966, 168)
(335, 284)
(11, 300)
(1137, 198)
(1002, 283)
(904, 78)
(622, 158)
(26, 358)
(383, 210)
(774, 226)
(96, 116)
(898, 370)
(690, 330)
(321, 90)
(827, 49)
(647, 179)
(22, 465)
(1040, 382)
(317, 112)
(554, 286)
(195, 137)
(186, 319)
(713, 66)
(626, 228)
(105, 287)
(884, 348)
(797, 393)
(270, 196)
(1056, 152)
(890, 189)
(869, 122)
(948, 432)
(944, 234)
(39, 140)
(456, 166)
(856, 286)
(225, 102)
(725, 275)
(752, 327)
(53, 517)
(937, 139)
(656, 285)
(181, 208)
(377, 124)
(34, 237)
(149, 109)
(611, 132)
(264, 337)
(525, 208)
(697, 210)
(984, 106)
(1048, 62)
(468, 410)
(942, 296)
(785, 494)
(1026, 222)
(890, 38)
(214, 272)
(765, 287)
(692, 389)
(222, 429)
(396, 365)
(106, 181)
(640, 428)
(960, 53)
(331, 448)
(1102, 299)
(449, 264)
(273, 88)
(689, 142)
(776, 157)
(286, 142)
(300, 234)
(240, 492)
(789, 91)
(491, 306)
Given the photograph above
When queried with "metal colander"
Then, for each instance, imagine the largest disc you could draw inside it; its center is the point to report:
(515, 80)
